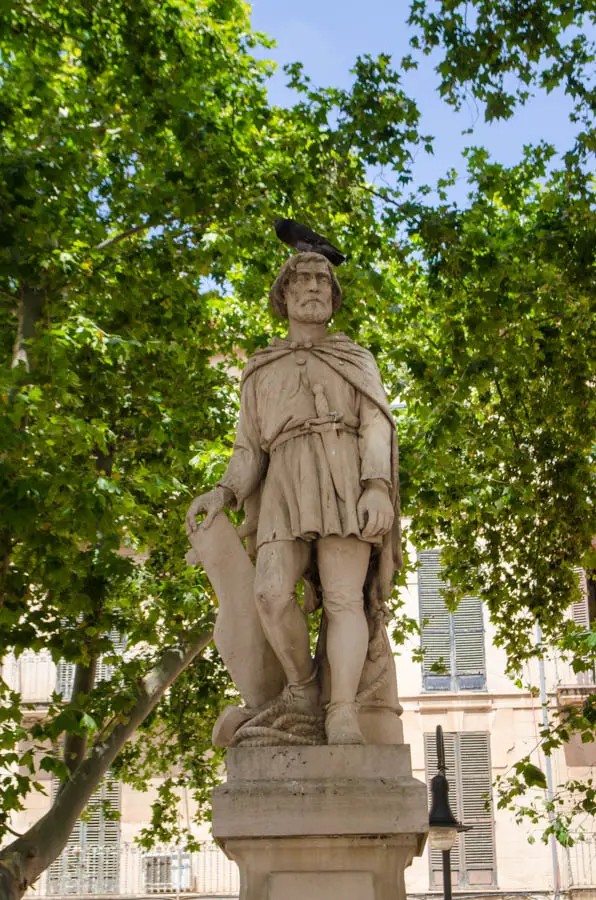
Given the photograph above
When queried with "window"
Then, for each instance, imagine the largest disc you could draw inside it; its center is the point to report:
(90, 862)
(584, 611)
(584, 615)
(65, 670)
(453, 643)
(167, 871)
(467, 755)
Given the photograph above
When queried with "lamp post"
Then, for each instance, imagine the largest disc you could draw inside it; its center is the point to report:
(444, 827)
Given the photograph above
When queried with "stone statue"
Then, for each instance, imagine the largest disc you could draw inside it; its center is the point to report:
(315, 466)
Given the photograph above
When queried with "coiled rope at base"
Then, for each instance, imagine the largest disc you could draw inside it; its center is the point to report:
(280, 724)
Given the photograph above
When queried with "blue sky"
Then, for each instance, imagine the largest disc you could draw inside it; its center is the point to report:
(327, 35)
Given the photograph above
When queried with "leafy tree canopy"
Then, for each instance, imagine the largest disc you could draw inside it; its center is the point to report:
(501, 53)
(140, 167)
(496, 324)
(503, 430)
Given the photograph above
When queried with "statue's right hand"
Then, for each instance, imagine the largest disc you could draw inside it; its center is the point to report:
(211, 503)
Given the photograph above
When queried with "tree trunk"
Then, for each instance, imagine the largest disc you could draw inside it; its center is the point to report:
(23, 861)
(30, 311)
(75, 745)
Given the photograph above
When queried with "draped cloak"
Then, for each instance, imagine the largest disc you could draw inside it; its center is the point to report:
(357, 367)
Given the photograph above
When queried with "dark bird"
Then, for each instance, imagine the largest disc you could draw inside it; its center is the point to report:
(301, 238)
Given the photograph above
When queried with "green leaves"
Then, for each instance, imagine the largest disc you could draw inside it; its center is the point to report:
(140, 169)
(503, 53)
(497, 431)
(533, 776)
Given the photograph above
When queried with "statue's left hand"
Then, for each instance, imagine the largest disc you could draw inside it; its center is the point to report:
(211, 503)
(375, 510)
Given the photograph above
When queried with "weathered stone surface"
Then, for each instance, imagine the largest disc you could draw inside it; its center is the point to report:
(315, 466)
(238, 634)
(337, 822)
(323, 868)
(252, 764)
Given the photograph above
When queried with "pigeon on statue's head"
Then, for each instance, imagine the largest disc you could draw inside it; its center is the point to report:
(301, 238)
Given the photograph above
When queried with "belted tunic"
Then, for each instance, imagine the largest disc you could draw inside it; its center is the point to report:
(309, 437)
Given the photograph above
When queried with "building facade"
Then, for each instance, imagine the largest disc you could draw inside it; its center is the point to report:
(489, 724)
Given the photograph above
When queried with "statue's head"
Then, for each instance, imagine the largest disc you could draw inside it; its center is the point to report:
(306, 289)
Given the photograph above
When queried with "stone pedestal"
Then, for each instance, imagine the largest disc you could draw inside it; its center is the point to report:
(321, 823)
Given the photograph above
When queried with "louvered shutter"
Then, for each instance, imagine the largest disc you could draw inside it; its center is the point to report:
(580, 610)
(102, 840)
(65, 679)
(435, 623)
(105, 670)
(467, 756)
(475, 791)
(431, 764)
(66, 670)
(90, 862)
(468, 640)
(65, 875)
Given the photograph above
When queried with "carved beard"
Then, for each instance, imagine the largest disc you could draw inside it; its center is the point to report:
(316, 314)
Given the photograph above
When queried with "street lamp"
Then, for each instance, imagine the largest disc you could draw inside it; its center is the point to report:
(444, 827)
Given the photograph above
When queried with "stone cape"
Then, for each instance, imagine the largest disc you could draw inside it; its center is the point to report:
(356, 366)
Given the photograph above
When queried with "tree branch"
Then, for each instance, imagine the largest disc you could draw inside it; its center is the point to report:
(125, 234)
(371, 190)
(23, 861)
(506, 416)
(138, 228)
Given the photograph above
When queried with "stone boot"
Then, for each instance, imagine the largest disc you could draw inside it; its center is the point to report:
(303, 696)
(341, 724)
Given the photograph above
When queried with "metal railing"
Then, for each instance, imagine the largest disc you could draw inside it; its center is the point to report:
(129, 871)
(579, 862)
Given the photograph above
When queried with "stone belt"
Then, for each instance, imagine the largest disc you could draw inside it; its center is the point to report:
(310, 428)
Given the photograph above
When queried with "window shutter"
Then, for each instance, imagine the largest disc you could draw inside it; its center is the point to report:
(90, 862)
(102, 840)
(469, 774)
(454, 641)
(65, 671)
(475, 780)
(65, 679)
(105, 670)
(580, 610)
(468, 630)
(435, 622)
(431, 763)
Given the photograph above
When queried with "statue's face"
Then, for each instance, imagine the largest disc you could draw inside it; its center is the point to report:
(308, 294)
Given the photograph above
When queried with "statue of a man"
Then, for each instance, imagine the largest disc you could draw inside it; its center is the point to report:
(315, 466)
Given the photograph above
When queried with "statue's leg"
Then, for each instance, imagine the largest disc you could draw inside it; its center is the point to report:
(279, 566)
(343, 564)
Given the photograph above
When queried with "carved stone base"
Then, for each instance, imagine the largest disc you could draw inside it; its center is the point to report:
(323, 823)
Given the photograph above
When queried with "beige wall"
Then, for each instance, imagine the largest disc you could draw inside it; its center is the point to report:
(512, 716)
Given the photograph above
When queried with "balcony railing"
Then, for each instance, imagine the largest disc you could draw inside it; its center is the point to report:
(129, 871)
(578, 863)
